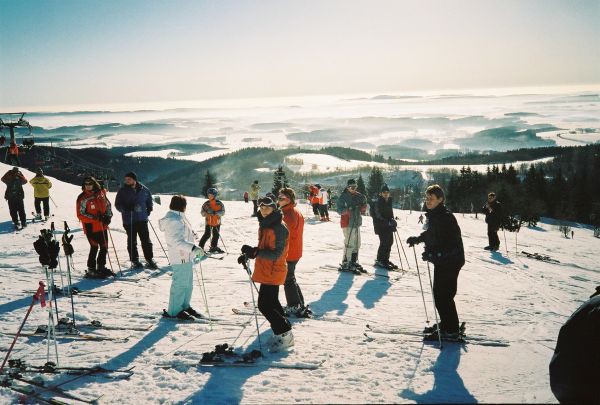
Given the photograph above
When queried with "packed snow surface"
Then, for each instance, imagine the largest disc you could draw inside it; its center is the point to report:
(501, 296)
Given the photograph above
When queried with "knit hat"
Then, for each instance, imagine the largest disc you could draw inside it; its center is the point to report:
(318, 185)
(267, 201)
(289, 193)
(351, 182)
(39, 171)
(131, 175)
(15, 169)
(212, 191)
(385, 188)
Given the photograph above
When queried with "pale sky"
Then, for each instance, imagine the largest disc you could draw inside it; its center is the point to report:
(65, 52)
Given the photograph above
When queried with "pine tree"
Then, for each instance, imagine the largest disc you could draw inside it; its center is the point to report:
(360, 185)
(279, 180)
(374, 183)
(209, 181)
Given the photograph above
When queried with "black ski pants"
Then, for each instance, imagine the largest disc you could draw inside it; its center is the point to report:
(254, 207)
(17, 211)
(208, 231)
(315, 208)
(323, 211)
(134, 230)
(493, 238)
(444, 289)
(98, 248)
(293, 294)
(386, 240)
(38, 205)
(270, 307)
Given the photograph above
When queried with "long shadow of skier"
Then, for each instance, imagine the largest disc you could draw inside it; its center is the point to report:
(448, 387)
(372, 291)
(227, 387)
(333, 299)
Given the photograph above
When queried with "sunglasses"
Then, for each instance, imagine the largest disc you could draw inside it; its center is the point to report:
(352, 187)
(282, 197)
(88, 184)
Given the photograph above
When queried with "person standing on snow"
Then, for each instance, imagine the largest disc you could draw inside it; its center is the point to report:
(270, 270)
(41, 193)
(351, 205)
(13, 155)
(323, 203)
(94, 211)
(493, 218)
(313, 200)
(182, 253)
(134, 202)
(15, 195)
(212, 210)
(295, 223)
(443, 248)
(385, 226)
(253, 194)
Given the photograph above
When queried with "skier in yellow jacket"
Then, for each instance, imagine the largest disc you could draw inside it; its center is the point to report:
(41, 193)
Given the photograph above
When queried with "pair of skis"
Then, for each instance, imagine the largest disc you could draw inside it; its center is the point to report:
(225, 356)
(462, 338)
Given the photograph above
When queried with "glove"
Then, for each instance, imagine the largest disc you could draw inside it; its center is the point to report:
(198, 252)
(67, 246)
(42, 250)
(393, 224)
(250, 251)
(53, 250)
(242, 259)
(105, 219)
(413, 240)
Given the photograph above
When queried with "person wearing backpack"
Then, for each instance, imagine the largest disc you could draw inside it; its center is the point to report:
(15, 196)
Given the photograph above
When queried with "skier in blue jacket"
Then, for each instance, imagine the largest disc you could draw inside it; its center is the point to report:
(134, 202)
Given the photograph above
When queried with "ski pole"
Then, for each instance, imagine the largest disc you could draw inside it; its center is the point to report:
(516, 244)
(421, 284)
(249, 271)
(159, 242)
(40, 292)
(398, 249)
(51, 331)
(505, 245)
(71, 290)
(203, 292)
(439, 330)
(62, 282)
(108, 254)
(114, 249)
(51, 199)
(403, 251)
(222, 241)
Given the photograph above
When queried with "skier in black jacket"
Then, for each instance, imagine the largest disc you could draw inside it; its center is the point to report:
(443, 248)
(574, 365)
(493, 218)
(385, 226)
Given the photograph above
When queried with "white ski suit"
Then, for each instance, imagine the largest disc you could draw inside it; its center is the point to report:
(180, 244)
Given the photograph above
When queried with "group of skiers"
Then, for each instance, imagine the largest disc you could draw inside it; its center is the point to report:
(276, 254)
(94, 210)
(320, 200)
(15, 195)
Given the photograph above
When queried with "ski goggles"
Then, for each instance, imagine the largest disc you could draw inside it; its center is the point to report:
(266, 202)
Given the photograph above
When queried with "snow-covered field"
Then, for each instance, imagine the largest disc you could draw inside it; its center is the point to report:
(501, 296)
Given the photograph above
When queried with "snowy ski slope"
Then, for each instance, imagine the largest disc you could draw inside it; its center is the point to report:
(509, 298)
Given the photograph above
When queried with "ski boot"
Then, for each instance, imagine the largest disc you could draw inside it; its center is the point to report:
(192, 312)
(282, 342)
(151, 265)
(136, 265)
(105, 272)
(392, 266)
(446, 336)
(216, 250)
(347, 267)
(380, 263)
(354, 264)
